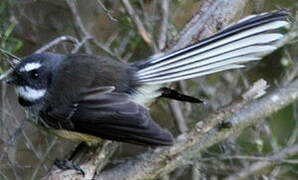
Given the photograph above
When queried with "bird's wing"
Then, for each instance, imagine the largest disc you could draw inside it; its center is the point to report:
(104, 113)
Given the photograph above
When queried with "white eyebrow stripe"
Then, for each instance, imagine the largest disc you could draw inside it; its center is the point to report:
(30, 66)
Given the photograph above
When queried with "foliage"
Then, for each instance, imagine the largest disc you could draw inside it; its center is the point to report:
(7, 41)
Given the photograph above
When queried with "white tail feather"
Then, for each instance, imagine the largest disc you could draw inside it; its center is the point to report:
(203, 57)
(239, 43)
(180, 71)
(223, 68)
(256, 30)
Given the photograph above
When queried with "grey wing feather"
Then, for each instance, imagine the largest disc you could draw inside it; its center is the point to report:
(109, 115)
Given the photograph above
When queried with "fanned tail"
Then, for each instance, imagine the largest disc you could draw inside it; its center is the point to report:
(241, 42)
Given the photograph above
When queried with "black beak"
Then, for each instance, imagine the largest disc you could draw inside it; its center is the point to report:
(11, 80)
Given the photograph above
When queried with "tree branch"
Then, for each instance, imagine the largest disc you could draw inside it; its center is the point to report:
(92, 162)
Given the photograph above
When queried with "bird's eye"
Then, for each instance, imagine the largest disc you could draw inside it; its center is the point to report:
(34, 74)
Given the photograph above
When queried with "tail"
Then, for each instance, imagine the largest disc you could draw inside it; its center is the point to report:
(238, 43)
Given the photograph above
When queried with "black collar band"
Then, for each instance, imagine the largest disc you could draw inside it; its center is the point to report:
(24, 102)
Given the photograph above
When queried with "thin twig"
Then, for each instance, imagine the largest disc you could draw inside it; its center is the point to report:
(105, 48)
(85, 33)
(80, 44)
(188, 106)
(13, 168)
(273, 143)
(9, 54)
(164, 24)
(12, 138)
(140, 26)
(178, 115)
(43, 158)
(259, 166)
(252, 158)
(106, 10)
(57, 41)
(5, 74)
(79, 23)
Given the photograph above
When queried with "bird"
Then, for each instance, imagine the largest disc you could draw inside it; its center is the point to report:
(88, 98)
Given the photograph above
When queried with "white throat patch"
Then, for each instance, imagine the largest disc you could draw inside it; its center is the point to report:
(30, 66)
(30, 94)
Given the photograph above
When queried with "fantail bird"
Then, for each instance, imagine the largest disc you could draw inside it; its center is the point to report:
(87, 97)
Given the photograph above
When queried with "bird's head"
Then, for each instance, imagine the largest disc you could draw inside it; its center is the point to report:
(32, 76)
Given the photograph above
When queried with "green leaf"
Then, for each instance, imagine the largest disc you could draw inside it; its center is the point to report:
(8, 31)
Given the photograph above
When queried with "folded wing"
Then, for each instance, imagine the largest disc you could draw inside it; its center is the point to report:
(106, 114)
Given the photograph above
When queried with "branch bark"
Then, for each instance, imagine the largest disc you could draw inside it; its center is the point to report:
(92, 162)
(210, 17)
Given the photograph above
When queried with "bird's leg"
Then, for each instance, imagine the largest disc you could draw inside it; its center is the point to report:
(67, 163)
(79, 148)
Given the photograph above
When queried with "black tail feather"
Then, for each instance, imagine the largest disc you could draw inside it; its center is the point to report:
(173, 94)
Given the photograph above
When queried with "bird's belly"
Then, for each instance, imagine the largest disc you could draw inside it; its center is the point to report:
(75, 136)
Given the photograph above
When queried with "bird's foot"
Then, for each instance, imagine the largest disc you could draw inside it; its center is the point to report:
(66, 164)
(78, 150)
